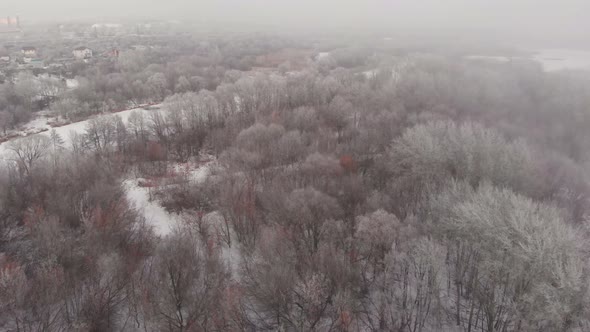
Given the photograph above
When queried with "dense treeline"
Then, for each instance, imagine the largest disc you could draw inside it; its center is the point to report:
(433, 194)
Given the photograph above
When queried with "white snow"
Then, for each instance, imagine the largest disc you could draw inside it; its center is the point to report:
(155, 215)
(488, 58)
(66, 131)
(322, 55)
(396, 73)
(38, 123)
(231, 256)
(80, 127)
(194, 174)
(72, 83)
(107, 25)
(371, 73)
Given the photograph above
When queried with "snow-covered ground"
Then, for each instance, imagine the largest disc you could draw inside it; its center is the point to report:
(41, 123)
(194, 174)
(155, 215)
(80, 127)
(396, 71)
(36, 125)
(162, 221)
(72, 83)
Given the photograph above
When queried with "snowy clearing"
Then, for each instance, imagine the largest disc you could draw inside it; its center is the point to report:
(155, 215)
(194, 174)
(143, 197)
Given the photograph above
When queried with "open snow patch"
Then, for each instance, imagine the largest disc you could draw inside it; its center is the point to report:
(155, 215)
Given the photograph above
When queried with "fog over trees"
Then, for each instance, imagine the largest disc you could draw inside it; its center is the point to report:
(292, 182)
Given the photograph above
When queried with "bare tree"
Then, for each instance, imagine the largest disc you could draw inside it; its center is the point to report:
(185, 288)
(5, 121)
(307, 210)
(101, 133)
(27, 151)
(138, 126)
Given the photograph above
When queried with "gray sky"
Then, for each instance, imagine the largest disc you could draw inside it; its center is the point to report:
(534, 18)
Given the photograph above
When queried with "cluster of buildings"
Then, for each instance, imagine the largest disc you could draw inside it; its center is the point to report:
(82, 53)
(59, 49)
(44, 58)
(29, 57)
(34, 49)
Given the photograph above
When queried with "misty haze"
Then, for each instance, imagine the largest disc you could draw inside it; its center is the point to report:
(283, 165)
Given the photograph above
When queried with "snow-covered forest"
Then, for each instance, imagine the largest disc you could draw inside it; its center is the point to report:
(274, 183)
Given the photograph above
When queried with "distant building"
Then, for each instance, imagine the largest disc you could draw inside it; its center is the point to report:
(10, 21)
(10, 25)
(29, 51)
(82, 53)
(36, 64)
(32, 63)
(5, 58)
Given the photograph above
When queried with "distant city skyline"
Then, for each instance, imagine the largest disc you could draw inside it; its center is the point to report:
(523, 19)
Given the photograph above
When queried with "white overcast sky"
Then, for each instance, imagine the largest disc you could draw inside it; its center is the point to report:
(559, 18)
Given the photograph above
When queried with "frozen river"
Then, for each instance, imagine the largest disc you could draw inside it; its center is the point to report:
(558, 59)
(550, 59)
